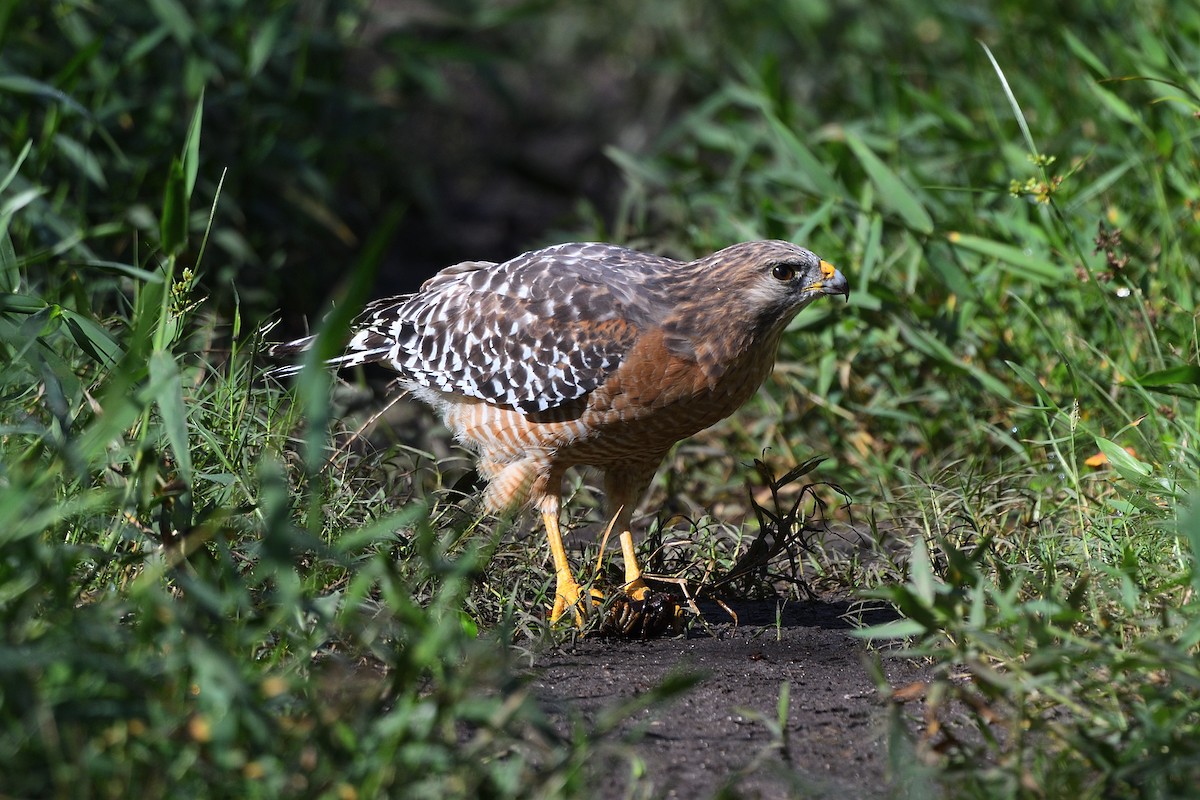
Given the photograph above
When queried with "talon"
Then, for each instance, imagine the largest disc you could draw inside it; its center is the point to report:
(650, 617)
(569, 596)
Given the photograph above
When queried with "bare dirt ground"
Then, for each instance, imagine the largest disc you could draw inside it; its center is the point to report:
(717, 738)
(721, 737)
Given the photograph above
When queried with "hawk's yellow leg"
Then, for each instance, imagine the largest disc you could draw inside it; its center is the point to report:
(568, 594)
(635, 587)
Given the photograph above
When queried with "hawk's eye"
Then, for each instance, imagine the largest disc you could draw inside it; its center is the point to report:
(783, 272)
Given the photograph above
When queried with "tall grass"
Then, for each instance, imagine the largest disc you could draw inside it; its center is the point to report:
(183, 611)
(1013, 385)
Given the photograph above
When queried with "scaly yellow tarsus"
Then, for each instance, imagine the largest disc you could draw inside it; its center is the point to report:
(568, 594)
(635, 586)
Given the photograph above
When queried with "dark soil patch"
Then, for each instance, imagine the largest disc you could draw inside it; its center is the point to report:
(718, 735)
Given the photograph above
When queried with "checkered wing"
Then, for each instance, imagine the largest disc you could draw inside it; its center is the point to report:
(534, 333)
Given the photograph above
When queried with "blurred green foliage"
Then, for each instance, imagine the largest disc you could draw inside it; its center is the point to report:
(1014, 383)
(105, 93)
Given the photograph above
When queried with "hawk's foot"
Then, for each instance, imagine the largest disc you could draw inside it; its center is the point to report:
(652, 615)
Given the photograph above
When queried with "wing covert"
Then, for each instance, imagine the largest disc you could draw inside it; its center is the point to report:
(535, 332)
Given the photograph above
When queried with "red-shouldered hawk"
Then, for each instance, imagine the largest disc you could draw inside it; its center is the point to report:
(588, 355)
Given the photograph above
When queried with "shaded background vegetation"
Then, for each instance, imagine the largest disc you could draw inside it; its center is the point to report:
(1023, 312)
(487, 123)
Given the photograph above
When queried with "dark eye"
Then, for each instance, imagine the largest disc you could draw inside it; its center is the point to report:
(783, 272)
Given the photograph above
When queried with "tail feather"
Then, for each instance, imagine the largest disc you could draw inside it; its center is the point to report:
(292, 348)
(299, 346)
(288, 350)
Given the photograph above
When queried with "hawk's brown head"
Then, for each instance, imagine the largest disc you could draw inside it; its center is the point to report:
(738, 301)
(776, 279)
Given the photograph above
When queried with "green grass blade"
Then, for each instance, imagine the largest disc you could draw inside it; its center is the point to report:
(1084, 53)
(21, 84)
(810, 167)
(1012, 101)
(312, 384)
(1128, 466)
(1017, 261)
(83, 159)
(10, 273)
(893, 192)
(1030, 380)
(165, 390)
(128, 270)
(175, 17)
(262, 45)
(174, 224)
(92, 338)
(1185, 374)
(1189, 525)
(937, 350)
(16, 167)
(18, 201)
(191, 147)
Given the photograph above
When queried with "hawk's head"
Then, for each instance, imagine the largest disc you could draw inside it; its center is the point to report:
(769, 281)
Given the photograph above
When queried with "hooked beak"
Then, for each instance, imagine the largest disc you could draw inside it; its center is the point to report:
(832, 281)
